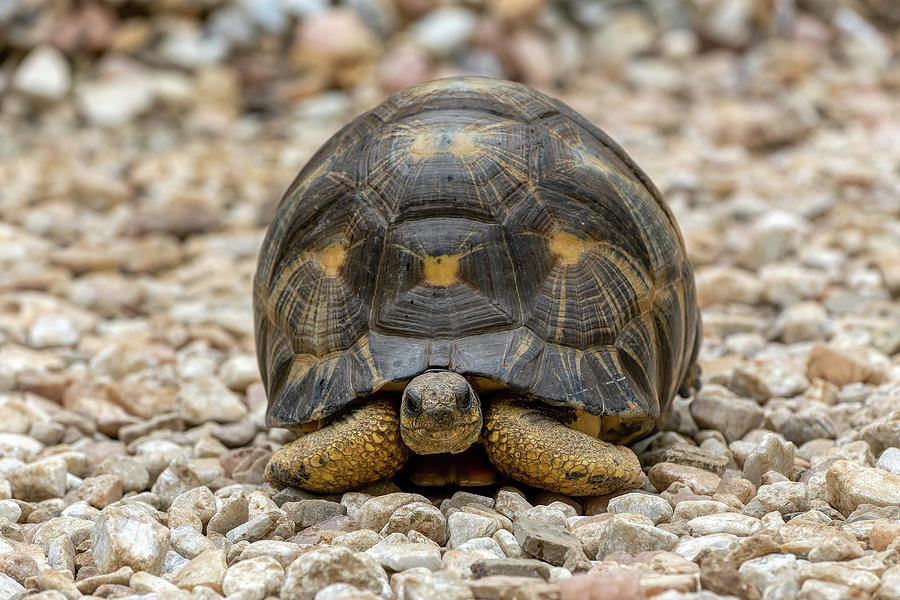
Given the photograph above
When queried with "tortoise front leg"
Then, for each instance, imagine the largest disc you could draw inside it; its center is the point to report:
(360, 447)
(524, 442)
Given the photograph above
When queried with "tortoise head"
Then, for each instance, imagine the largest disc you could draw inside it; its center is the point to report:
(439, 412)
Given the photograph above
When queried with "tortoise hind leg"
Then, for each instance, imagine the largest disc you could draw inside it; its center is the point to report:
(691, 381)
(527, 444)
(360, 447)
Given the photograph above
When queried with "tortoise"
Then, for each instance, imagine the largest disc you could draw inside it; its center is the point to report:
(471, 268)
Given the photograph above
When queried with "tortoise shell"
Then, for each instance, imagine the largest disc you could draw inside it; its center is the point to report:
(475, 225)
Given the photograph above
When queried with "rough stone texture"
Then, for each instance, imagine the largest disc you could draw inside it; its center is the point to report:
(550, 543)
(716, 407)
(653, 507)
(662, 475)
(736, 524)
(765, 570)
(422, 584)
(206, 569)
(255, 578)
(786, 497)
(464, 526)
(40, 480)
(310, 512)
(771, 454)
(848, 486)
(129, 536)
(719, 575)
(400, 555)
(377, 511)
(517, 567)
(234, 512)
(101, 491)
(321, 567)
(418, 516)
(625, 533)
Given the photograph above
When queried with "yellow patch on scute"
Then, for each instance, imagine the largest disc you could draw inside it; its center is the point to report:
(568, 248)
(441, 271)
(458, 142)
(331, 258)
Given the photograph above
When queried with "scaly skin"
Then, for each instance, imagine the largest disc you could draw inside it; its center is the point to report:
(525, 443)
(360, 447)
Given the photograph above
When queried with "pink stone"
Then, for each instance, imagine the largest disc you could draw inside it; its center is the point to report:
(617, 584)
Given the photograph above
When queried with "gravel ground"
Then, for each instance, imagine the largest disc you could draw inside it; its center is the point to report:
(135, 195)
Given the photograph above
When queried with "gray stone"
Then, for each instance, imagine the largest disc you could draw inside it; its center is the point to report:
(77, 530)
(283, 552)
(206, 569)
(519, 567)
(420, 584)
(848, 486)
(549, 543)
(61, 554)
(115, 101)
(255, 529)
(508, 543)
(189, 542)
(402, 555)
(464, 526)
(199, 501)
(733, 523)
(716, 407)
(719, 543)
(175, 480)
(764, 379)
(654, 508)
(256, 577)
(765, 570)
(803, 426)
(353, 502)
(234, 512)
(377, 511)
(691, 509)
(39, 480)
(890, 584)
(784, 496)
(444, 30)
(483, 543)
(770, 454)
(510, 503)
(129, 536)
(207, 399)
(306, 513)
(889, 461)
(546, 514)
(684, 454)
(10, 511)
(627, 533)
(321, 567)
(423, 517)
(44, 73)
(9, 587)
(461, 498)
(359, 541)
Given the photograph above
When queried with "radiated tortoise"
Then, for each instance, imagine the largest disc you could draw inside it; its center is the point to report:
(471, 270)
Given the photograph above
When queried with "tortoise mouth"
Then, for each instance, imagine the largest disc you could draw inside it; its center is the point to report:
(430, 440)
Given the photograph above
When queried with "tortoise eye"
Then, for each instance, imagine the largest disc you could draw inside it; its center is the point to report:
(413, 404)
(465, 402)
